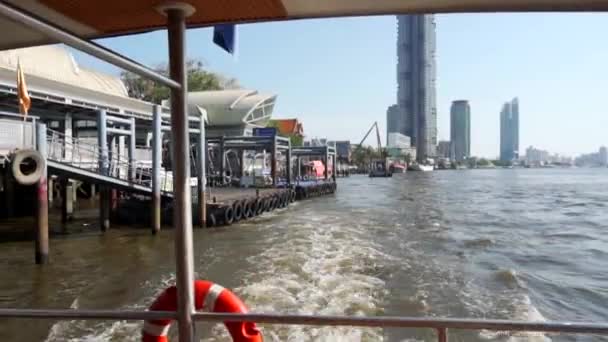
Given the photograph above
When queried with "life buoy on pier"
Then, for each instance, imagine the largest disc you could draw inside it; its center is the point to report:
(31, 157)
(208, 297)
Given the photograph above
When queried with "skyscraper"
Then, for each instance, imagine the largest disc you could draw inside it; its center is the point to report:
(509, 131)
(416, 70)
(460, 129)
(394, 121)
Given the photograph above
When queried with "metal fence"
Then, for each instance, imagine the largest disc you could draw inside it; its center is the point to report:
(16, 132)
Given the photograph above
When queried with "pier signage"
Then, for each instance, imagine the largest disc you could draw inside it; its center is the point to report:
(265, 132)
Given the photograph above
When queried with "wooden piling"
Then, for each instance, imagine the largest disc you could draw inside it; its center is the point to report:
(41, 244)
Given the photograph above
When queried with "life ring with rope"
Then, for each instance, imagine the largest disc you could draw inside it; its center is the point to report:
(210, 297)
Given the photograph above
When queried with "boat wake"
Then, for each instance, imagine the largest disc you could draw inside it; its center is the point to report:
(321, 267)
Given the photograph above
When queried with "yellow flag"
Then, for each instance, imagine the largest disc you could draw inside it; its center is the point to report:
(24, 98)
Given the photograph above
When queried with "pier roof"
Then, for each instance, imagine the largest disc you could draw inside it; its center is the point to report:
(95, 19)
(233, 107)
(55, 81)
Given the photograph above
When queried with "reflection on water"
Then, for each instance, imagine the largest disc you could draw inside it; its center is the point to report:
(517, 244)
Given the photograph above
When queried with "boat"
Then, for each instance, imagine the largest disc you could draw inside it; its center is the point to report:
(420, 167)
(397, 168)
(378, 169)
(28, 29)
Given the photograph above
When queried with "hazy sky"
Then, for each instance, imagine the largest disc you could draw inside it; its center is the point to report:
(338, 75)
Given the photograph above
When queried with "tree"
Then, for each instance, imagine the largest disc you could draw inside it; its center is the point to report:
(199, 79)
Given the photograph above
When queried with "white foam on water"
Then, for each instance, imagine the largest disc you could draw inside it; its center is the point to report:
(325, 269)
(88, 331)
(523, 310)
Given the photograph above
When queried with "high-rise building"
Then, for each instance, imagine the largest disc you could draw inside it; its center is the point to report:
(509, 131)
(394, 121)
(416, 73)
(443, 149)
(603, 156)
(460, 129)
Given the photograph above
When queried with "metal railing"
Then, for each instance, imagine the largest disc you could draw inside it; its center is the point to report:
(441, 326)
(80, 152)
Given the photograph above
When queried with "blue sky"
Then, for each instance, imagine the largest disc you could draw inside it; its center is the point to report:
(338, 75)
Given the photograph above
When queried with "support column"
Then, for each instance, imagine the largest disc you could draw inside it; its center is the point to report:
(68, 152)
(157, 145)
(67, 201)
(299, 170)
(182, 217)
(42, 215)
(222, 160)
(333, 167)
(50, 188)
(242, 163)
(104, 193)
(131, 152)
(289, 165)
(325, 160)
(273, 161)
(201, 155)
(9, 193)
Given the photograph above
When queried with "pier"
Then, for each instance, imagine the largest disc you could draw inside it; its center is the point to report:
(95, 141)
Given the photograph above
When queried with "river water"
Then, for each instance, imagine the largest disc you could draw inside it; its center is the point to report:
(526, 244)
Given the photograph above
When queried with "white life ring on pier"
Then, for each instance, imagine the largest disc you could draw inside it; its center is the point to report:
(32, 176)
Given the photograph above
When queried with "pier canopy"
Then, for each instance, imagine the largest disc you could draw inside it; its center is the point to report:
(232, 112)
(58, 85)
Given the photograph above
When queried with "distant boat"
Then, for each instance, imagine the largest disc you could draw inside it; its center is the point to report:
(398, 168)
(420, 167)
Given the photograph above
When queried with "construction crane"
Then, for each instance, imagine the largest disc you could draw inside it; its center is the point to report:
(379, 167)
(374, 125)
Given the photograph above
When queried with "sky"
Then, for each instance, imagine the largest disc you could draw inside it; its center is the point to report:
(338, 76)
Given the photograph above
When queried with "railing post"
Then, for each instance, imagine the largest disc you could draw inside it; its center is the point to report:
(104, 194)
(42, 201)
(156, 156)
(132, 140)
(182, 217)
(442, 334)
(201, 155)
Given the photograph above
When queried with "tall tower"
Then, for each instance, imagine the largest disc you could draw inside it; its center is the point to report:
(509, 131)
(416, 73)
(460, 129)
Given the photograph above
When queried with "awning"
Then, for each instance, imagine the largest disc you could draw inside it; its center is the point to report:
(96, 19)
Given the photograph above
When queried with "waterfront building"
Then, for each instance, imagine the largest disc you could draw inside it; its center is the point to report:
(509, 131)
(460, 129)
(443, 149)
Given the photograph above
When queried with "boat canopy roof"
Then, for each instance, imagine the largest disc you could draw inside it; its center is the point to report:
(98, 19)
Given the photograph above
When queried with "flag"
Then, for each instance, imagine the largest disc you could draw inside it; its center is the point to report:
(24, 98)
(225, 37)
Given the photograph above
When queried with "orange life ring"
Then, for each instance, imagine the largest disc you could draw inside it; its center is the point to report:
(209, 297)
